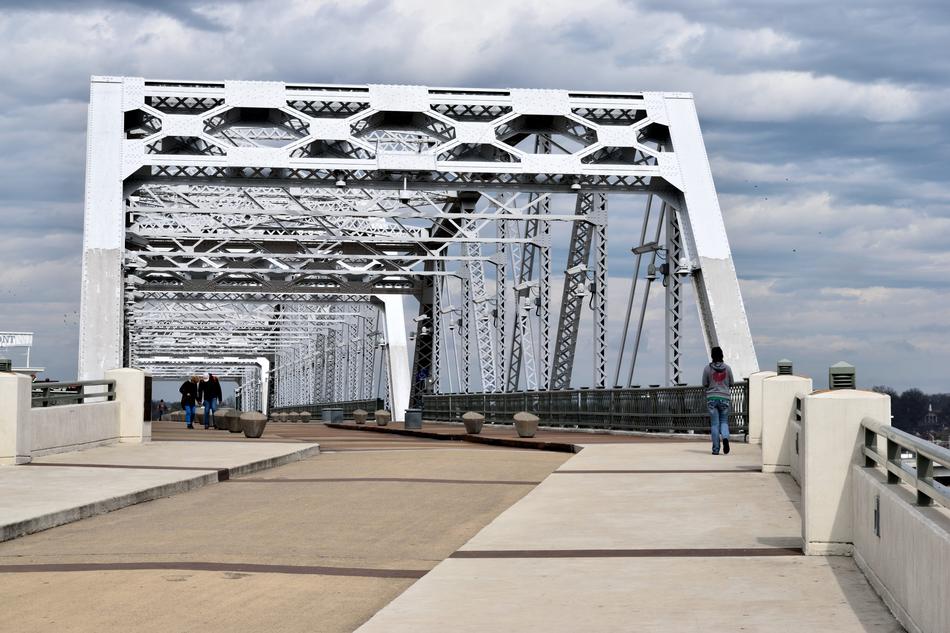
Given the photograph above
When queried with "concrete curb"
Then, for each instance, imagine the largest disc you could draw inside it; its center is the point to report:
(510, 442)
(189, 482)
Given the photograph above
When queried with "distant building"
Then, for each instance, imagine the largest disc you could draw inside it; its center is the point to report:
(930, 420)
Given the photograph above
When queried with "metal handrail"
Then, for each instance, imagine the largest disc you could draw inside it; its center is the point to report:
(679, 409)
(53, 394)
(349, 406)
(920, 477)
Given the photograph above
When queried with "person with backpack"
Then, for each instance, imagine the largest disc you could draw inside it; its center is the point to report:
(717, 380)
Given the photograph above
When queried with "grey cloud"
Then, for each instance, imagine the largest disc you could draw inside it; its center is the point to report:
(192, 13)
(879, 172)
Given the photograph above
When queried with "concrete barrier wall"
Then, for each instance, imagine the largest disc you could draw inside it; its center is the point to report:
(26, 432)
(73, 427)
(909, 562)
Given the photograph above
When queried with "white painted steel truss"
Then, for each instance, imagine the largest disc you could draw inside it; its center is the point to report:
(287, 222)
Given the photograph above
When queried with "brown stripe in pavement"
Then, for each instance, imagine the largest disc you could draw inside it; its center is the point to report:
(630, 553)
(223, 473)
(418, 480)
(231, 567)
(655, 472)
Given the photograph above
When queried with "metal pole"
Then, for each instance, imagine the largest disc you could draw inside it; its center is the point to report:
(646, 296)
(633, 290)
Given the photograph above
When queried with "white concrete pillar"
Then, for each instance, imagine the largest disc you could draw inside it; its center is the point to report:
(755, 405)
(15, 405)
(100, 312)
(831, 442)
(130, 394)
(397, 348)
(778, 412)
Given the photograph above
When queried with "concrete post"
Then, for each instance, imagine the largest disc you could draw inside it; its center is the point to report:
(778, 412)
(15, 405)
(830, 444)
(130, 394)
(755, 405)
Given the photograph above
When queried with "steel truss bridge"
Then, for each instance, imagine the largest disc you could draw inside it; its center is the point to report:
(273, 232)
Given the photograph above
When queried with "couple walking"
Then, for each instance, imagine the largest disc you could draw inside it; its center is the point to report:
(194, 391)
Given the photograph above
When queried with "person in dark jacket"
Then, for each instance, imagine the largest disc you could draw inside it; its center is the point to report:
(717, 379)
(189, 398)
(209, 391)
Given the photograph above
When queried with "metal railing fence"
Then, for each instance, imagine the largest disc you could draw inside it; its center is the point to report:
(348, 406)
(53, 394)
(926, 455)
(665, 409)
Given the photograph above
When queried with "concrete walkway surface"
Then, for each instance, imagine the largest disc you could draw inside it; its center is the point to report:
(62, 488)
(643, 537)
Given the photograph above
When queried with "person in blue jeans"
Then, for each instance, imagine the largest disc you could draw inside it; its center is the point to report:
(209, 391)
(189, 398)
(717, 380)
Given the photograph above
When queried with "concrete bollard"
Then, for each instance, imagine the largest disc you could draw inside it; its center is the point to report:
(130, 394)
(473, 422)
(234, 422)
(830, 445)
(359, 416)
(526, 424)
(382, 417)
(222, 417)
(778, 412)
(15, 438)
(755, 405)
(253, 423)
(304, 417)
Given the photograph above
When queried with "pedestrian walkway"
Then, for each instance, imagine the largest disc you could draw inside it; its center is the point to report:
(317, 545)
(62, 488)
(643, 537)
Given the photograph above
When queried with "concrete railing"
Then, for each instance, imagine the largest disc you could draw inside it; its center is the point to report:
(860, 495)
(902, 524)
(26, 431)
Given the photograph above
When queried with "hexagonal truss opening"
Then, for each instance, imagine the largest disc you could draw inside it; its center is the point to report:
(611, 116)
(403, 132)
(478, 152)
(472, 113)
(328, 109)
(332, 149)
(184, 146)
(182, 105)
(140, 124)
(656, 136)
(256, 127)
(630, 156)
(528, 132)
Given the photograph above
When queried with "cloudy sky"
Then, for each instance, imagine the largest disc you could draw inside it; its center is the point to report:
(826, 125)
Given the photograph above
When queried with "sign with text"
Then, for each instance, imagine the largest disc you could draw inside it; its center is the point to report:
(16, 339)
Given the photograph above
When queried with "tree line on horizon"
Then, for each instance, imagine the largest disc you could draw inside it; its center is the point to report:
(910, 408)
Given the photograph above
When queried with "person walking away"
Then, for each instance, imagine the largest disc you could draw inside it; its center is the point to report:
(717, 380)
(189, 398)
(162, 409)
(210, 392)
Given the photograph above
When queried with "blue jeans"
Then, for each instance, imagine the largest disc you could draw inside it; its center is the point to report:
(211, 405)
(189, 414)
(719, 421)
